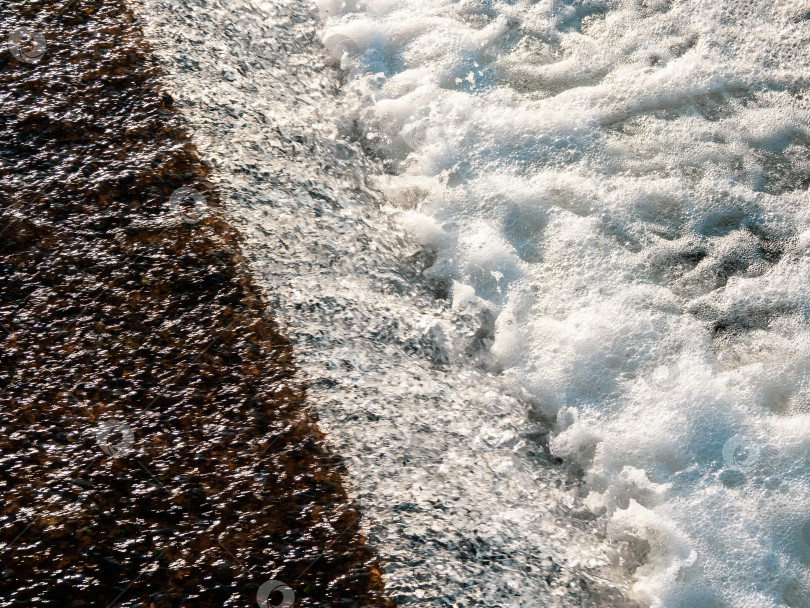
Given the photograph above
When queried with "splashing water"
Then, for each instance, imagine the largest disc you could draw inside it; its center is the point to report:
(613, 199)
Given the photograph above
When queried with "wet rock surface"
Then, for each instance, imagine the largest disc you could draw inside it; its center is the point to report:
(155, 446)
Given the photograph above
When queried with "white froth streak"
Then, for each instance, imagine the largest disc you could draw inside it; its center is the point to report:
(625, 186)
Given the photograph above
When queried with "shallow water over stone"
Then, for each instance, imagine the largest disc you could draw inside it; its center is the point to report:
(156, 447)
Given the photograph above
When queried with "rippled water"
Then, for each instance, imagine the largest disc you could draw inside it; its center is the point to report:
(463, 503)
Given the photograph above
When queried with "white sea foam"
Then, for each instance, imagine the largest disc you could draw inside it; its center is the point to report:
(624, 186)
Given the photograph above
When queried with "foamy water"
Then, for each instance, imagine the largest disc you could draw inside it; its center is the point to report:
(623, 185)
(613, 198)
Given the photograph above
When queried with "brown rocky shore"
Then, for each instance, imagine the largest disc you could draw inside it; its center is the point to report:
(156, 448)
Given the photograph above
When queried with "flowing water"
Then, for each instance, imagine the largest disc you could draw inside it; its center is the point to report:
(156, 446)
(509, 233)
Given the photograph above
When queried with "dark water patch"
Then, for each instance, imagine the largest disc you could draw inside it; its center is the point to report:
(156, 447)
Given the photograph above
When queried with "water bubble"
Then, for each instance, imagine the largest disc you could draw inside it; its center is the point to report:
(267, 588)
(191, 213)
(741, 453)
(104, 437)
(26, 45)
